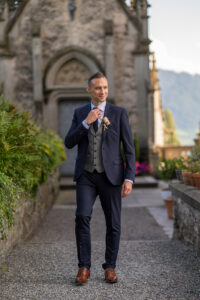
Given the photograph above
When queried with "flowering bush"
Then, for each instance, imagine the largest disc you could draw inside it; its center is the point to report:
(166, 168)
(142, 168)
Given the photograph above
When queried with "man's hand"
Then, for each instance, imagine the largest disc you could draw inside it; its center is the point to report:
(126, 188)
(93, 115)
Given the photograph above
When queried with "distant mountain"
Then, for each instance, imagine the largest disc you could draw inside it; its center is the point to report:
(181, 94)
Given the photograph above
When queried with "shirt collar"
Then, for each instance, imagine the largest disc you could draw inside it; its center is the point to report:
(100, 106)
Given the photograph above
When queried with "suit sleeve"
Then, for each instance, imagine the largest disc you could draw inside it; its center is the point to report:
(129, 150)
(76, 132)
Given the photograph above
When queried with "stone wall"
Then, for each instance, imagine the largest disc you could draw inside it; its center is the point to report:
(186, 214)
(109, 34)
(29, 214)
(87, 32)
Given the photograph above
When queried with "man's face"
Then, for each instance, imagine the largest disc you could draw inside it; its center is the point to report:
(98, 90)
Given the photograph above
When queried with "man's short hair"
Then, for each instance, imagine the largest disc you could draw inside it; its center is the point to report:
(95, 75)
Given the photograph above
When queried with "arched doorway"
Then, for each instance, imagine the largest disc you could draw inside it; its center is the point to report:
(65, 83)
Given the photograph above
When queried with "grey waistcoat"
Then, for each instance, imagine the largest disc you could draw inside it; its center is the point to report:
(94, 157)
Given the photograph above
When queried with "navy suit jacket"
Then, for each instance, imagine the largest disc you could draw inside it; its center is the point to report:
(118, 131)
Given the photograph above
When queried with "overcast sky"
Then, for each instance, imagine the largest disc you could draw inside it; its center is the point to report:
(174, 27)
(174, 30)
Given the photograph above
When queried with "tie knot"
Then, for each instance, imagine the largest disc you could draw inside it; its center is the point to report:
(95, 107)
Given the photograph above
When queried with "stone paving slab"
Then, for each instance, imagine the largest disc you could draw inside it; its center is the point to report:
(137, 224)
(147, 270)
(139, 197)
(160, 215)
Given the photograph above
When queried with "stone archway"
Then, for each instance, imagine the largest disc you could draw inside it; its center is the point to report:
(64, 83)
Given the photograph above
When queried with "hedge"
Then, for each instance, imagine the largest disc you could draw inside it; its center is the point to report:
(28, 154)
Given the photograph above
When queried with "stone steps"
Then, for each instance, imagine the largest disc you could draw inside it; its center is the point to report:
(140, 182)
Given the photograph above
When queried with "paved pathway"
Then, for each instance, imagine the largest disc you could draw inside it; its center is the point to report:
(151, 266)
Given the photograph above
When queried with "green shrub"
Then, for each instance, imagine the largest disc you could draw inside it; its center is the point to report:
(137, 147)
(166, 168)
(27, 156)
(193, 163)
(195, 155)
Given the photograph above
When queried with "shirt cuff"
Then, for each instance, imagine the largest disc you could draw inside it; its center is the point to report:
(85, 124)
(129, 180)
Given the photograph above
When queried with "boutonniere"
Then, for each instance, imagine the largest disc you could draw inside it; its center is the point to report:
(106, 123)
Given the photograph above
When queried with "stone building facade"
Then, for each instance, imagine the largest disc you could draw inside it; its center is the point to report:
(48, 49)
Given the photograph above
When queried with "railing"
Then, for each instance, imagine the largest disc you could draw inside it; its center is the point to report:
(170, 152)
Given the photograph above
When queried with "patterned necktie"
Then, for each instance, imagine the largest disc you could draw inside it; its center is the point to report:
(95, 124)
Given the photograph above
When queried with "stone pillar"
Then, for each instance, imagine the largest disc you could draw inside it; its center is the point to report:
(4, 15)
(109, 57)
(151, 117)
(37, 71)
(141, 62)
(143, 81)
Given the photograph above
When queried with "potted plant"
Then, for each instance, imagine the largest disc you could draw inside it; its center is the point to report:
(180, 164)
(194, 165)
(197, 180)
(186, 173)
(166, 170)
(194, 170)
(196, 175)
(169, 203)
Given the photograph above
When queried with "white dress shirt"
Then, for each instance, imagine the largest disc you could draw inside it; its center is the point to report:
(102, 109)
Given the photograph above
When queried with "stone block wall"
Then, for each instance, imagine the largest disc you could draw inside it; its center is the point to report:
(106, 33)
(57, 33)
(186, 214)
(29, 214)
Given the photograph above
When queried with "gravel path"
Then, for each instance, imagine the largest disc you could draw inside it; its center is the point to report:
(150, 264)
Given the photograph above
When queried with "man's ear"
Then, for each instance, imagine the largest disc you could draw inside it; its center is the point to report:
(88, 89)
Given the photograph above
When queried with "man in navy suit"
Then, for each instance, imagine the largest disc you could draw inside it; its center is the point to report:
(98, 129)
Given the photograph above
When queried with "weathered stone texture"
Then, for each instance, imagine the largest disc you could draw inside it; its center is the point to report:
(86, 32)
(102, 36)
(29, 214)
(21, 46)
(71, 73)
(186, 215)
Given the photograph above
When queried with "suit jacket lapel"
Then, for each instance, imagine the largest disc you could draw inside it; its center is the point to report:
(85, 112)
(106, 114)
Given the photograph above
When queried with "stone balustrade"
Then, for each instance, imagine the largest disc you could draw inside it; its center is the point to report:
(186, 214)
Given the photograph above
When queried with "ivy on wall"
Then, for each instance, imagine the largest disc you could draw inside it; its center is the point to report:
(28, 155)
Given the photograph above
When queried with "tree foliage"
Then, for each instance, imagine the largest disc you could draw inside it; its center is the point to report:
(137, 147)
(170, 137)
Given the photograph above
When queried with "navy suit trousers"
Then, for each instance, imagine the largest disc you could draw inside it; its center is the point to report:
(89, 186)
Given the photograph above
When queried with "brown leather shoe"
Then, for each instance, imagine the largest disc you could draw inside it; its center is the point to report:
(83, 275)
(110, 276)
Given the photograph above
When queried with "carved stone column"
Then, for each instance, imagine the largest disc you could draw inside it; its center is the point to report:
(37, 70)
(109, 57)
(4, 15)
